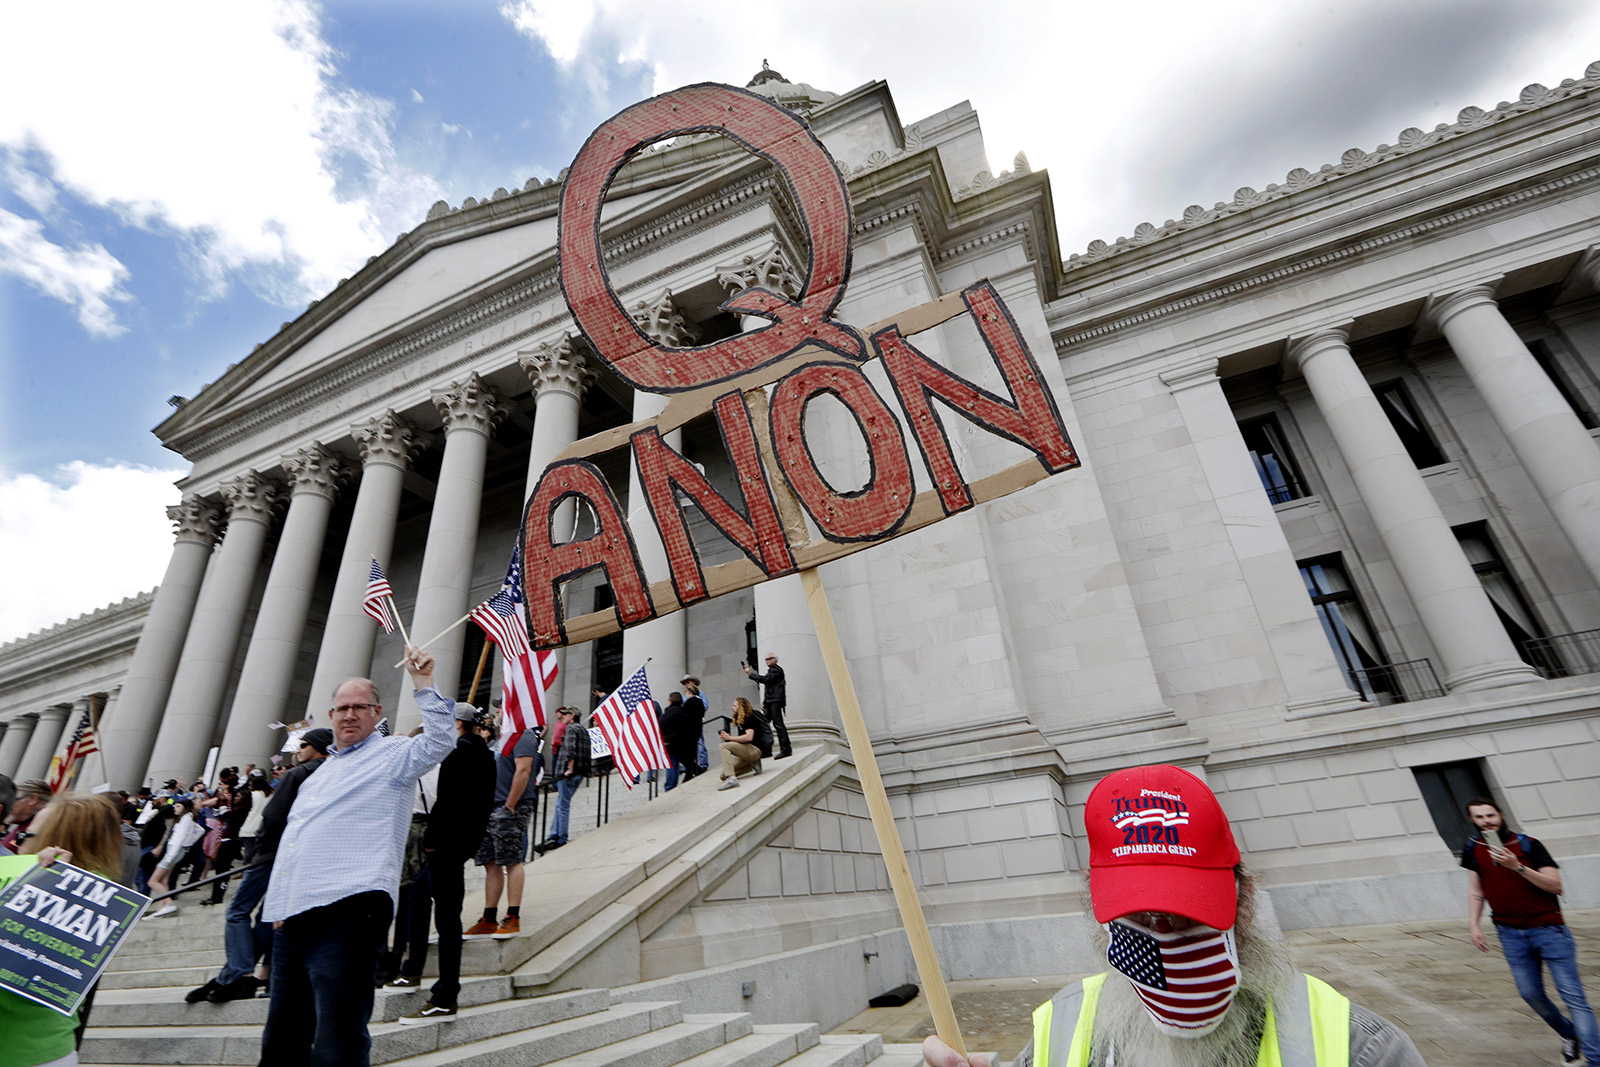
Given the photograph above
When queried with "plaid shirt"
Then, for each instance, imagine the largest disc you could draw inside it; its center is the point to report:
(347, 829)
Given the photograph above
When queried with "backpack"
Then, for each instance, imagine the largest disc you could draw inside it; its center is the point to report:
(763, 729)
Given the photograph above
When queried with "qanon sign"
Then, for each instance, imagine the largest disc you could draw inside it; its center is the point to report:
(802, 354)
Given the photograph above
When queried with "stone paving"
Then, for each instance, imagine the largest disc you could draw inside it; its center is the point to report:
(1458, 1005)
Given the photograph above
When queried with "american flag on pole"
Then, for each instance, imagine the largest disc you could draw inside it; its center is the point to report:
(525, 675)
(82, 744)
(628, 720)
(379, 601)
(1188, 980)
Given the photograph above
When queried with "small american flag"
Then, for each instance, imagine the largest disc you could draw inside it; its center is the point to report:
(379, 601)
(524, 675)
(81, 745)
(1187, 980)
(628, 720)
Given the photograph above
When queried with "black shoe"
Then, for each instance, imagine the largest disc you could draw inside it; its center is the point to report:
(243, 989)
(209, 903)
(1569, 1050)
(548, 846)
(195, 996)
(783, 755)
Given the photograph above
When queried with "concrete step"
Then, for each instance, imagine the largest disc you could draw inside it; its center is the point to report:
(159, 978)
(166, 1007)
(839, 1050)
(899, 1056)
(766, 1046)
(659, 1037)
(212, 956)
(548, 1020)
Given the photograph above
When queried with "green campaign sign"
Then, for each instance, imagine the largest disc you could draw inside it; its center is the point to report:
(59, 927)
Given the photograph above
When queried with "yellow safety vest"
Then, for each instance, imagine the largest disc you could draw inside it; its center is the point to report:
(1313, 1029)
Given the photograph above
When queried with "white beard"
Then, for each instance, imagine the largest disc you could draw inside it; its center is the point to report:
(1126, 1036)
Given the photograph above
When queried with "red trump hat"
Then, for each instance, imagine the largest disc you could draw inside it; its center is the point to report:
(1158, 841)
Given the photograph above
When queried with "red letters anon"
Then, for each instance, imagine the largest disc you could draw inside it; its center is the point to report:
(664, 473)
(548, 566)
(1033, 421)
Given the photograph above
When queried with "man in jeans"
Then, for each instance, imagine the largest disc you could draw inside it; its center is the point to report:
(1516, 875)
(571, 768)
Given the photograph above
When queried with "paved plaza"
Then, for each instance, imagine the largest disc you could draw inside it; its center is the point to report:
(1458, 1005)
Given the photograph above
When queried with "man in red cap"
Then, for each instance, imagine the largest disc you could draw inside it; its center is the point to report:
(1193, 982)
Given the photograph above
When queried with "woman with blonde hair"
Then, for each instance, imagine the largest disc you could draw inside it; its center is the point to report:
(740, 751)
(83, 830)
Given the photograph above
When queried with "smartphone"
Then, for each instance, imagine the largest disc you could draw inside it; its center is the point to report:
(1492, 837)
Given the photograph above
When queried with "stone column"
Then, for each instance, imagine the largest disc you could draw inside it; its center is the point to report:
(470, 412)
(784, 625)
(190, 721)
(262, 695)
(387, 445)
(15, 742)
(663, 641)
(126, 741)
(1473, 648)
(1311, 677)
(1557, 452)
(43, 744)
(560, 375)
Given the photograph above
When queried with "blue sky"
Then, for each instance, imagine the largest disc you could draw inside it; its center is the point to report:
(177, 179)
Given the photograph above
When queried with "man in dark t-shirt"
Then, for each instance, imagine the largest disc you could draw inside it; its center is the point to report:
(1515, 874)
(505, 841)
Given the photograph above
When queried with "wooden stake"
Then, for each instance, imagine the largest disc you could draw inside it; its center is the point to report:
(483, 659)
(894, 855)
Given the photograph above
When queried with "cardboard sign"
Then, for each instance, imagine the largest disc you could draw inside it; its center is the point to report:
(803, 355)
(59, 927)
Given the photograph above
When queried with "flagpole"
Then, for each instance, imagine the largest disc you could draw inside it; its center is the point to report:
(436, 636)
(477, 676)
(398, 621)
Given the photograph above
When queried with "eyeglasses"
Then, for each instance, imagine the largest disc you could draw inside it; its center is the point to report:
(353, 707)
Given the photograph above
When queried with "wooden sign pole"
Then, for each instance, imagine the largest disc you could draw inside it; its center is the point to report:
(477, 676)
(894, 854)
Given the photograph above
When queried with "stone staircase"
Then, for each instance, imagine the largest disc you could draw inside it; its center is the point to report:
(616, 885)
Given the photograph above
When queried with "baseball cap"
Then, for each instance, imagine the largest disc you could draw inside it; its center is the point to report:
(1158, 841)
(466, 712)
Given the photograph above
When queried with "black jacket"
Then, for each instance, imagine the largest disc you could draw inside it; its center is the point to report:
(679, 727)
(772, 692)
(466, 796)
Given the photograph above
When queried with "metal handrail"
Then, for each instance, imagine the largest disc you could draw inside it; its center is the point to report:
(1398, 683)
(1565, 655)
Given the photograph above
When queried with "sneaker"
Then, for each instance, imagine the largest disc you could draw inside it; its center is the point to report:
(402, 981)
(244, 989)
(1569, 1050)
(430, 1011)
(164, 910)
(757, 768)
(481, 929)
(195, 996)
(510, 927)
(728, 783)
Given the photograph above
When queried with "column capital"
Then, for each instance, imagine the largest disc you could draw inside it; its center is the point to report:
(1190, 375)
(663, 323)
(1301, 349)
(1441, 309)
(195, 520)
(251, 497)
(1589, 268)
(315, 469)
(469, 405)
(54, 713)
(770, 270)
(559, 367)
(386, 438)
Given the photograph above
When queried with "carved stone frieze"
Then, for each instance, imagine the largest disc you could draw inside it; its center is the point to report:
(386, 438)
(195, 519)
(663, 323)
(251, 496)
(771, 270)
(469, 405)
(315, 469)
(560, 366)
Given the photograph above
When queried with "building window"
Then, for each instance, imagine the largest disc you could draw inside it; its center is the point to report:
(1274, 463)
(1446, 788)
(1565, 382)
(607, 669)
(1419, 443)
(1507, 599)
(1349, 631)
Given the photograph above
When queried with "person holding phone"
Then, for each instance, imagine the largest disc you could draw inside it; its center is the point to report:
(1522, 884)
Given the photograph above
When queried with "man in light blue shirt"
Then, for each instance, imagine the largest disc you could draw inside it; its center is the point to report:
(337, 873)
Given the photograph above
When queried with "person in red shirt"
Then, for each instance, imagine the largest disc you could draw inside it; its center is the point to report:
(1522, 884)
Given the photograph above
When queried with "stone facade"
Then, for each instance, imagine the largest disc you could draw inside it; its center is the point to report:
(1335, 543)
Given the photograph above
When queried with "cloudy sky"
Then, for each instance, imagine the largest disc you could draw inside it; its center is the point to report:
(177, 179)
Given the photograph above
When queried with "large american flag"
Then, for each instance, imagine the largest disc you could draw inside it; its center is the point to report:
(379, 601)
(525, 675)
(81, 745)
(1187, 980)
(627, 718)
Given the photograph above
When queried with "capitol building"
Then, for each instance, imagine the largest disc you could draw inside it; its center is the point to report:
(1334, 544)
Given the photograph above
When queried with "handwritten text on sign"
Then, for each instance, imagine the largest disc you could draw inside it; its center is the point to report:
(803, 355)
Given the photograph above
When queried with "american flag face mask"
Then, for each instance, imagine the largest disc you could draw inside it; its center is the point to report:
(1186, 980)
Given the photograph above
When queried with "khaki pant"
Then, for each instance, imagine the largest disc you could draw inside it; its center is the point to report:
(738, 756)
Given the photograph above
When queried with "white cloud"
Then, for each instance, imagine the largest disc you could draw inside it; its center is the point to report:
(224, 122)
(98, 536)
(416, 97)
(88, 278)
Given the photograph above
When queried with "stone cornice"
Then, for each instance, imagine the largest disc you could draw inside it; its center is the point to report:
(1412, 139)
(140, 603)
